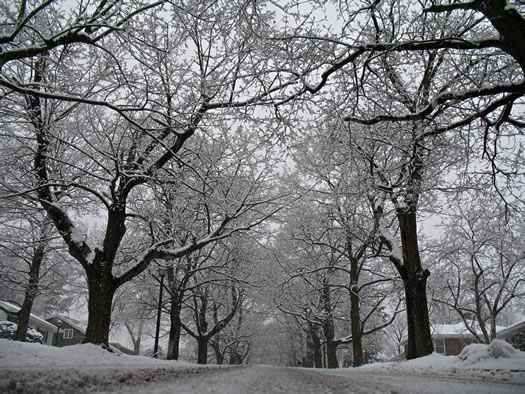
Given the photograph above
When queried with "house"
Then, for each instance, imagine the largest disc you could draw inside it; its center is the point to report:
(450, 339)
(514, 334)
(9, 312)
(69, 331)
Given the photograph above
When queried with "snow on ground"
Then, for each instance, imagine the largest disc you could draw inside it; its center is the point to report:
(31, 367)
(22, 354)
(498, 356)
(28, 367)
(497, 362)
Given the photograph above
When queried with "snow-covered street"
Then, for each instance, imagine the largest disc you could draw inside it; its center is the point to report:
(244, 379)
(34, 368)
(267, 379)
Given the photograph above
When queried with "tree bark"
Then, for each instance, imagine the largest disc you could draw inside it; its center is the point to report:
(175, 330)
(331, 355)
(219, 357)
(101, 291)
(202, 350)
(23, 316)
(415, 281)
(355, 315)
(328, 327)
(32, 287)
(509, 23)
(355, 323)
(317, 348)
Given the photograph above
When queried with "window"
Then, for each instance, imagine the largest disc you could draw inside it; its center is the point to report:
(68, 333)
(439, 346)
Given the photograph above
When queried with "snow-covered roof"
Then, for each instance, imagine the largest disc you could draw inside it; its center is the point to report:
(68, 321)
(450, 330)
(7, 306)
(457, 330)
(510, 329)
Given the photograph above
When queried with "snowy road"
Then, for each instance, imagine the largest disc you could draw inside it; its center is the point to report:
(246, 379)
(266, 379)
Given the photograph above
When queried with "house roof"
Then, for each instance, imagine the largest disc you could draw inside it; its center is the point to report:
(457, 330)
(12, 308)
(120, 348)
(450, 330)
(511, 329)
(68, 321)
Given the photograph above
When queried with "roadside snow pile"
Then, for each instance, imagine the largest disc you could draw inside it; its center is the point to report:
(474, 353)
(22, 354)
(497, 361)
(30, 367)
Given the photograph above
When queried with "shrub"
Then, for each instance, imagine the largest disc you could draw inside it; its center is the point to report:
(8, 331)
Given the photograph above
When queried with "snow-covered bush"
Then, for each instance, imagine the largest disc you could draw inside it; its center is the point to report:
(8, 330)
(477, 352)
(499, 348)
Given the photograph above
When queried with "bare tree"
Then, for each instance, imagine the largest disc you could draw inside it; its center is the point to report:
(481, 264)
(108, 160)
(424, 69)
(205, 302)
(32, 257)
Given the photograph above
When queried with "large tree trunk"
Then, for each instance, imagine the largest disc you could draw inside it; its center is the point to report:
(101, 291)
(355, 323)
(510, 25)
(219, 357)
(202, 350)
(331, 355)
(355, 314)
(415, 281)
(23, 316)
(328, 327)
(317, 347)
(32, 287)
(175, 330)
(308, 358)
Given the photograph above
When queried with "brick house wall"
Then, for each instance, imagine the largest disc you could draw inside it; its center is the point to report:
(67, 334)
(454, 346)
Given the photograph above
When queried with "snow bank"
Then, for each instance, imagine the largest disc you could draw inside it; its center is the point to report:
(20, 354)
(474, 353)
(497, 361)
(31, 367)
